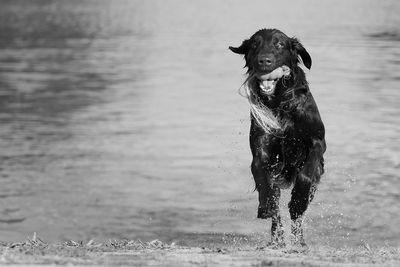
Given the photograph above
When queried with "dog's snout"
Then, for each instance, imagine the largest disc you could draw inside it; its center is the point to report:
(264, 61)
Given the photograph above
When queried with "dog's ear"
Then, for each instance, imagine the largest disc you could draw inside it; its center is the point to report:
(302, 52)
(243, 49)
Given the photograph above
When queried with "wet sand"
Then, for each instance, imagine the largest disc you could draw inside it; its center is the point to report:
(35, 252)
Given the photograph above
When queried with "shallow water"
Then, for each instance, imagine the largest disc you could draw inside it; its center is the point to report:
(121, 119)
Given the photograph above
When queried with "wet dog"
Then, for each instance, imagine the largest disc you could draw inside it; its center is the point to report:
(287, 136)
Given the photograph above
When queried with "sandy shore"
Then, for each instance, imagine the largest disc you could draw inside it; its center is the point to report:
(34, 252)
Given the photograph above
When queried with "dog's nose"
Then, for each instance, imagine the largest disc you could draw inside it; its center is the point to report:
(264, 61)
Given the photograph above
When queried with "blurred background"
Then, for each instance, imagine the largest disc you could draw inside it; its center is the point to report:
(122, 119)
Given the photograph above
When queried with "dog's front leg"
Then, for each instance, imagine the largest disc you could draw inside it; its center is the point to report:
(277, 233)
(304, 189)
(268, 197)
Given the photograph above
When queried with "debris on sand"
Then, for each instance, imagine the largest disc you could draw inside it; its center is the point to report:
(35, 251)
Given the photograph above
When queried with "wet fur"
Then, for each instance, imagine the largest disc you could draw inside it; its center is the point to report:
(292, 155)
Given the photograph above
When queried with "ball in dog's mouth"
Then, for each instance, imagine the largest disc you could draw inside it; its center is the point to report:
(268, 81)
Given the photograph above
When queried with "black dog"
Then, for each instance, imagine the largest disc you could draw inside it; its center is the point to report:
(287, 136)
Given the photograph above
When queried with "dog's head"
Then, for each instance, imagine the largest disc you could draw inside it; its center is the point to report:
(268, 50)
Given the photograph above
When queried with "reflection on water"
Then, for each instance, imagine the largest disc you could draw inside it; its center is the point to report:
(121, 119)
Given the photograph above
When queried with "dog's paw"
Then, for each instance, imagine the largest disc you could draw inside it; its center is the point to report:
(298, 247)
(276, 244)
(297, 243)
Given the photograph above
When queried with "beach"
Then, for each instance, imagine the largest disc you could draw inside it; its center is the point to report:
(35, 252)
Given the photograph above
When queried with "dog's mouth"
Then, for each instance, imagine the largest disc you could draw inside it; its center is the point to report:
(268, 81)
(268, 86)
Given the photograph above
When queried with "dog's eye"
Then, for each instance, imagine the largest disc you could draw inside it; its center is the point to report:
(280, 45)
(256, 42)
